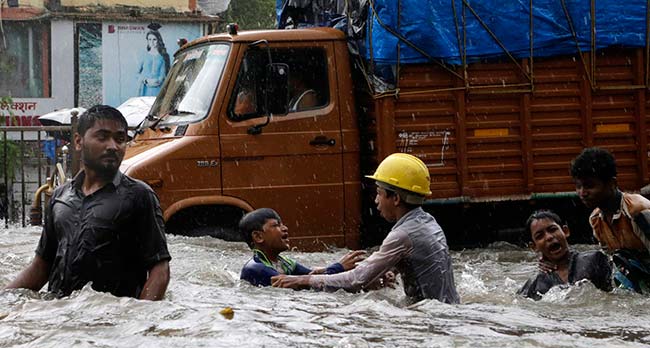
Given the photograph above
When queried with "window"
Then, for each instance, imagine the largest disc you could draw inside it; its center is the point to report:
(89, 64)
(24, 59)
(191, 84)
(308, 86)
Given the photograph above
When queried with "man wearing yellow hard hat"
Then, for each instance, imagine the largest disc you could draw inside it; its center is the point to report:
(416, 245)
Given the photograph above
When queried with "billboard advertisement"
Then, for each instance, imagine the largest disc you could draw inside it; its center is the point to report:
(136, 57)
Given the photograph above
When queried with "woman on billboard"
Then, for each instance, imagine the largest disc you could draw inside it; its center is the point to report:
(154, 65)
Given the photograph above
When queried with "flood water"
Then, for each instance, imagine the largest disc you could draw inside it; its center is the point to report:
(205, 279)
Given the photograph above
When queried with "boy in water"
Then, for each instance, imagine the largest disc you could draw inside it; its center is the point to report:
(620, 221)
(265, 233)
(548, 236)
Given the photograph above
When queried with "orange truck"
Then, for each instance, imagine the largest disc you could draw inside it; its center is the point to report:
(279, 118)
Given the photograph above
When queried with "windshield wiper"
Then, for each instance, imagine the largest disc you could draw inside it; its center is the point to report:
(174, 112)
(140, 127)
(177, 112)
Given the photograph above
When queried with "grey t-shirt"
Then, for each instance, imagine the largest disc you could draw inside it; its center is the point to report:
(417, 248)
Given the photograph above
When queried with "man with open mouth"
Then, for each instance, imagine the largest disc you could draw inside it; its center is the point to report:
(548, 236)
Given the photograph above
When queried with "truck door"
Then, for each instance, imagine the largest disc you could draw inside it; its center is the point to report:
(291, 162)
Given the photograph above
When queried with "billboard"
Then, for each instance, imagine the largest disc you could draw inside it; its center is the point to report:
(136, 57)
(108, 66)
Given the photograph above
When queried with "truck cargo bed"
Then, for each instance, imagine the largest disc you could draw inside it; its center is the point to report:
(497, 135)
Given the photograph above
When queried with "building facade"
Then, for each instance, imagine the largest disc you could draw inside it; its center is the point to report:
(63, 53)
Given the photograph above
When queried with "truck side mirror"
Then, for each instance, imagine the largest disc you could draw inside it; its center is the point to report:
(277, 89)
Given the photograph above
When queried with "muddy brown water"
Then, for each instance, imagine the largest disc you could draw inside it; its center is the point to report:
(205, 279)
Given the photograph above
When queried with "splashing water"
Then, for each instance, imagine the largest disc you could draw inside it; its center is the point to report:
(205, 280)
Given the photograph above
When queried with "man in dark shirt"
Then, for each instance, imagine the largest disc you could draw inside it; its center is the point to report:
(102, 227)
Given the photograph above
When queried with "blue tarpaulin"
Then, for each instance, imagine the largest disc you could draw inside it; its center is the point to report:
(437, 27)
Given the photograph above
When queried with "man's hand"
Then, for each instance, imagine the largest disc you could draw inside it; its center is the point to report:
(350, 260)
(292, 282)
(387, 280)
(545, 266)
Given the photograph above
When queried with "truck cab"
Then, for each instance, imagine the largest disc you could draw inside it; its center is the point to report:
(256, 119)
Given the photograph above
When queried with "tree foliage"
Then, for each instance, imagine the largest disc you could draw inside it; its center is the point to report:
(251, 14)
(8, 148)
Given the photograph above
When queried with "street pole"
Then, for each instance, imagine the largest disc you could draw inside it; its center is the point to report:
(76, 161)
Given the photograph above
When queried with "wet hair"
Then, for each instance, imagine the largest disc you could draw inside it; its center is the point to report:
(153, 30)
(390, 192)
(254, 221)
(99, 112)
(396, 191)
(541, 215)
(594, 162)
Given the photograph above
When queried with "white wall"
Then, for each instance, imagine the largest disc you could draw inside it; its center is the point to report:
(62, 64)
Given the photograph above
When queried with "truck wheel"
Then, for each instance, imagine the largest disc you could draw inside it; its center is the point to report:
(215, 221)
(226, 233)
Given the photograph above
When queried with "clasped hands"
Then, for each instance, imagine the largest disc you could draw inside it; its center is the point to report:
(349, 261)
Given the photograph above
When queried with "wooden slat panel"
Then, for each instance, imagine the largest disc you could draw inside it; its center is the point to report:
(498, 144)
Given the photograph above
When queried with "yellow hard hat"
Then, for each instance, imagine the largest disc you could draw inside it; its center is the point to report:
(404, 171)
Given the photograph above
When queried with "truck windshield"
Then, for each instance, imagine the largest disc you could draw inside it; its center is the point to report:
(187, 93)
